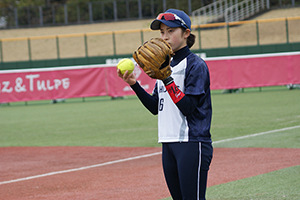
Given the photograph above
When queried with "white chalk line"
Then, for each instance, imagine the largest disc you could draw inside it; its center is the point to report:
(80, 168)
(134, 158)
(256, 134)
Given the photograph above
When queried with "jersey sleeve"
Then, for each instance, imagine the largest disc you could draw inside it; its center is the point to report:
(188, 104)
(149, 101)
(197, 77)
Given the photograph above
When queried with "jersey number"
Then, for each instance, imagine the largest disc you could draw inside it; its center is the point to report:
(161, 104)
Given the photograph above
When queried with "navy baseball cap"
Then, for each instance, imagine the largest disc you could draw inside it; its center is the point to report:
(172, 18)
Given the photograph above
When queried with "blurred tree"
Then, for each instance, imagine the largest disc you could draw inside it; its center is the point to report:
(8, 3)
(25, 3)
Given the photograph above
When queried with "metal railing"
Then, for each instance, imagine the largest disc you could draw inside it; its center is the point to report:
(210, 13)
(111, 42)
(245, 9)
(227, 10)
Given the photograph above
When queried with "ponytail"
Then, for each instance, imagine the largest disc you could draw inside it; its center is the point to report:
(190, 40)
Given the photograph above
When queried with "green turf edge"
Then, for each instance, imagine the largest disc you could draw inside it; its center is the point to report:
(125, 122)
(280, 138)
(280, 184)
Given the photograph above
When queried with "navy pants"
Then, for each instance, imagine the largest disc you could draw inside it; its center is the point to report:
(186, 166)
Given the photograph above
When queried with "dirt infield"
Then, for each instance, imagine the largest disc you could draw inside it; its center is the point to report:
(118, 172)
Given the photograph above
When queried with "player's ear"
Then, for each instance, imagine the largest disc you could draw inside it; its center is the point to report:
(186, 33)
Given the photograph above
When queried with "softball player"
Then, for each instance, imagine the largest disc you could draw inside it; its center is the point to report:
(184, 115)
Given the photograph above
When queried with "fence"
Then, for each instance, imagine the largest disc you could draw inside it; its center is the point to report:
(208, 36)
(226, 10)
(110, 10)
(245, 9)
(95, 11)
(101, 80)
(210, 13)
(67, 82)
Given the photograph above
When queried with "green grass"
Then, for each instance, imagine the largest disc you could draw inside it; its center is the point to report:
(279, 139)
(248, 113)
(96, 123)
(125, 122)
(277, 185)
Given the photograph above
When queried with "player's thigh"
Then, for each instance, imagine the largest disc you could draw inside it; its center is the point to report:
(193, 163)
(171, 172)
(189, 159)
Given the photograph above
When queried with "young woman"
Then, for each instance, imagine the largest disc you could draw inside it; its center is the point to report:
(184, 119)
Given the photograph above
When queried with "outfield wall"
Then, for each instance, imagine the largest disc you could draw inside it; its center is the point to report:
(66, 82)
(102, 80)
(216, 39)
(254, 70)
(113, 59)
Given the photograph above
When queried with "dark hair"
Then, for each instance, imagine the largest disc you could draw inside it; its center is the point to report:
(190, 40)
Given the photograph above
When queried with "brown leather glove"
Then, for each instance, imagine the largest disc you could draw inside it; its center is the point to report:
(154, 58)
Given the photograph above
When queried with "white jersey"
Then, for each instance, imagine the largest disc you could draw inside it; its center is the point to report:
(191, 75)
(172, 124)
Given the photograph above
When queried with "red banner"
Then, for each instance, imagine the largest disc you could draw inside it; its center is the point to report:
(254, 71)
(102, 80)
(66, 82)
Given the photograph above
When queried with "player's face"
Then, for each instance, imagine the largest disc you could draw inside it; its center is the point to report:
(174, 36)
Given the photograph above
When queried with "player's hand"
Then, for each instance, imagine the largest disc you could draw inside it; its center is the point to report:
(128, 78)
